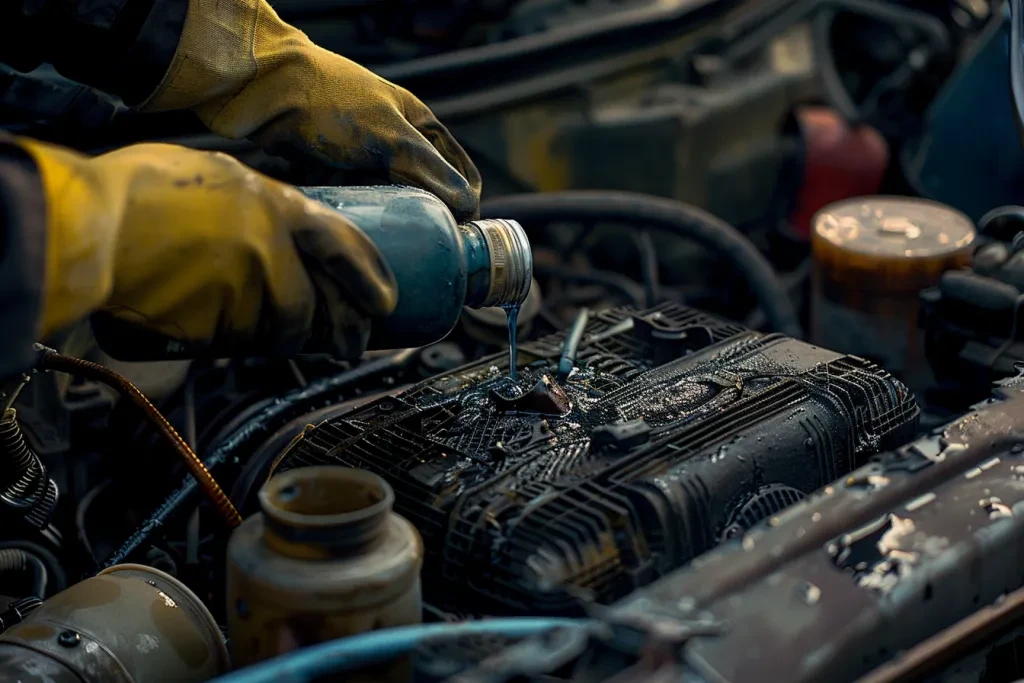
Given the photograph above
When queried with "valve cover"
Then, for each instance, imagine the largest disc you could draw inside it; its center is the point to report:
(534, 495)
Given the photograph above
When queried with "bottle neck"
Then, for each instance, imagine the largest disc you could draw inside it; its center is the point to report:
(324, 512)
(499, 263)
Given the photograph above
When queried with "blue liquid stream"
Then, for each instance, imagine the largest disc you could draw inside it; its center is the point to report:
(513, 323)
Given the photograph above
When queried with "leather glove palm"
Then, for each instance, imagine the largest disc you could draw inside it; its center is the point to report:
(194, 249)
(246, 73)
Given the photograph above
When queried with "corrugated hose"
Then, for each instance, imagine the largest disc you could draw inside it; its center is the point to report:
(51, 360)
(19, 561)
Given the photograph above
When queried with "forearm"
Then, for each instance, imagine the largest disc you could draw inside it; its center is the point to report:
(122, 47)
(22, 256)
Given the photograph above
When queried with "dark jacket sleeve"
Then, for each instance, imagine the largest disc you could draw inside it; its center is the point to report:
(122, 47)
(22, 256)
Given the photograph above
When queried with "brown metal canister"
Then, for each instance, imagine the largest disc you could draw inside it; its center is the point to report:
(129, 624)
(326, 558)
(872, 258)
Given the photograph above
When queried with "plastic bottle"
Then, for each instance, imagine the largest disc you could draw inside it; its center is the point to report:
(440, 267)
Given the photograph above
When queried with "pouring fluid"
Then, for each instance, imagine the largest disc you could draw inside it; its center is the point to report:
(512, 311)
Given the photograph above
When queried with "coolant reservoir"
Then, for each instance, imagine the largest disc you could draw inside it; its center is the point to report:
(872, 258)
(327, 558)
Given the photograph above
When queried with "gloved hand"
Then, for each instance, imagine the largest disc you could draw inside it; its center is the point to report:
(198, 250)
(246, 73)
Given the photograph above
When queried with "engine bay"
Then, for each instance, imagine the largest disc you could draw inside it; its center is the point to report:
(763, 418)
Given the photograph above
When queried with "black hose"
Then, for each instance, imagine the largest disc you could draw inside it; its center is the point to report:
(1017, 61)
(643, 24)
(18, 561)
(620, 284)
(649, 268)
(667, 215)
(832, 85)
(81, 523)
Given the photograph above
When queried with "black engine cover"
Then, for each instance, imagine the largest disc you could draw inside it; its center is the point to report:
(532, 495)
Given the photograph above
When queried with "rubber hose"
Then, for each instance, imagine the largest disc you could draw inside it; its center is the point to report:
(355, 652)
(667, 215)
(1017, 62)
(619, 283)
(18, 561)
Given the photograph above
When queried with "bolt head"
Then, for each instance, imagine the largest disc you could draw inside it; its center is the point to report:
(69, 639)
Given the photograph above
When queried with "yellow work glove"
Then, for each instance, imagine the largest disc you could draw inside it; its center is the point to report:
(246, 73)
(203, 255)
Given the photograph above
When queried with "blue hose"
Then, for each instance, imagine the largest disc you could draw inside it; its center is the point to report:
(365, 649)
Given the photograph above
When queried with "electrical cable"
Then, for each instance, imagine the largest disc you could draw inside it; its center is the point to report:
(345, 654)
(263, 423)
(666, 215)
(1012, 338)
(51, 360)
(649, 267)
(300, 379)
(81, 511)
(193, 530)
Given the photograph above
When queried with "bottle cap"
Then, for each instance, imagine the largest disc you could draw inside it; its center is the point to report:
(511, 261)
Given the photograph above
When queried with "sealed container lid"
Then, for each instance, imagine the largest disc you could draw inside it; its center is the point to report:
(894, 228)
(889, 244)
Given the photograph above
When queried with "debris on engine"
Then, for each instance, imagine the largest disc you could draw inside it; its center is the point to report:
(869, 566)
(674, 430)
